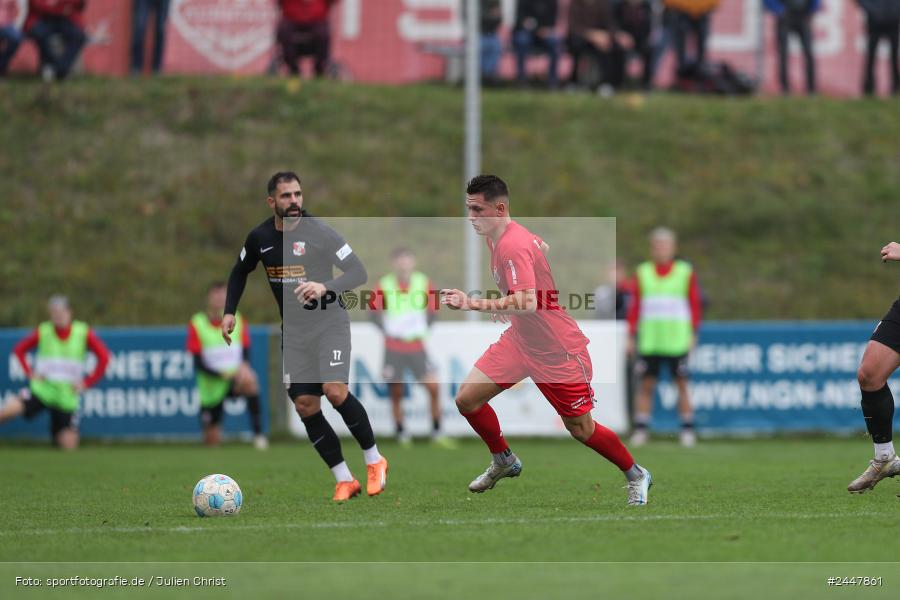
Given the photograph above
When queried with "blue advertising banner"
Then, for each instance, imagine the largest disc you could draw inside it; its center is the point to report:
(773, 377)
(148, 390)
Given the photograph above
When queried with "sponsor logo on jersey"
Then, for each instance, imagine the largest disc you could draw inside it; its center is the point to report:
(287, 271)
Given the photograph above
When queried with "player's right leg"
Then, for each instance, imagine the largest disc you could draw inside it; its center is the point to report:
(879, 361)
(308, 404)
(472, 402)
(647, 370)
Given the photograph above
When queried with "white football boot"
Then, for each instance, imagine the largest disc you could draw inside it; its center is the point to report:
(638, 490)
(495, 473)
(878, 470)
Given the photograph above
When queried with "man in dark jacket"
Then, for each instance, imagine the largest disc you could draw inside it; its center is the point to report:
(882, 21)
(489, 44)
(535, 29)
(635, 17)
(593, 33)
(794, 16)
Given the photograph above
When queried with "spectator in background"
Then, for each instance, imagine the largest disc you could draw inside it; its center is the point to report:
(612, 299)
(794, 16)
(304, 30)
(882, 21)
(491, 47)
(57, 19)
(593, 33)
(404, 308)
(491, 15)
(635, 18)
(140, 16)
(10, 37)
(690, 18)
(663, 321)
(535, 29)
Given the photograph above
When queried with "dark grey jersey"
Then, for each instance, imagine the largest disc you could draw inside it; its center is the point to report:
(307, 253)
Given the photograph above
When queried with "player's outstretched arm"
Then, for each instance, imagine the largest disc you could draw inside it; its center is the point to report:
(521, 301)
(890, 252)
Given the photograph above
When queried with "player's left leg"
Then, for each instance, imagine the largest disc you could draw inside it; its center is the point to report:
(607, 444)
(307, 399)
(357, 420)
(878, 363)
(246, 384)
(566, 384)
(687, 437)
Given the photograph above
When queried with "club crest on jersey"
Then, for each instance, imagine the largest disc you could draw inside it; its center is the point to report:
(496, 276)
(299, 248)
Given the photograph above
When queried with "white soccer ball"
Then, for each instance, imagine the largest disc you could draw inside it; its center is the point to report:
(217, 496)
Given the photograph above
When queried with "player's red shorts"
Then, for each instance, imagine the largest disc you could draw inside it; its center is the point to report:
(564, 379)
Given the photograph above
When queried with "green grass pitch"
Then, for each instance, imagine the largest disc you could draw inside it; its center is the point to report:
(731, 519)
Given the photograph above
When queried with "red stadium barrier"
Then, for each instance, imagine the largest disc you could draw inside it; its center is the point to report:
(382, 40)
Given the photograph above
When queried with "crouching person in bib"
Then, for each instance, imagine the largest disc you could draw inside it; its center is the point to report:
(56, 376)
(222, 371)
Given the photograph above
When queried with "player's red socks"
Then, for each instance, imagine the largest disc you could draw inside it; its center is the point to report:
(484, 422)
(606, 443)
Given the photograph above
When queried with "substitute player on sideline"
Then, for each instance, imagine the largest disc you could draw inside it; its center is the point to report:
(299, 253)
(663, 320)
(57, 379)
(404, 310)
(879, 361)
(543, 343)
(222, 370)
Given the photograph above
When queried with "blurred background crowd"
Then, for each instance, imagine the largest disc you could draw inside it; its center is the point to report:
(598, 45)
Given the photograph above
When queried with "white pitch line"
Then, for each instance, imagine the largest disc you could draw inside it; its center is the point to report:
(444, 522)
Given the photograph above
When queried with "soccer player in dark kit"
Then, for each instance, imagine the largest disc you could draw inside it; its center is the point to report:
(879, 361)
(299, 253)
(543, 342)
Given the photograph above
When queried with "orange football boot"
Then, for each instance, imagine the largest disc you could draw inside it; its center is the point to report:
(344, 490)
(377, 477)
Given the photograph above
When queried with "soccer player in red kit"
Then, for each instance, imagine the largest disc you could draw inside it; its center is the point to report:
(543, 342)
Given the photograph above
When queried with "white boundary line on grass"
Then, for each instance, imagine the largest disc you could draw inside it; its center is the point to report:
(446, 522)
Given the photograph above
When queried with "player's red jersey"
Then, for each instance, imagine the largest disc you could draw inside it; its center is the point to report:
(518, 263)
